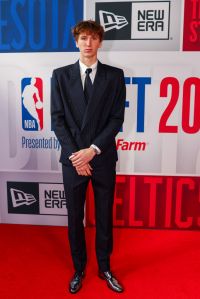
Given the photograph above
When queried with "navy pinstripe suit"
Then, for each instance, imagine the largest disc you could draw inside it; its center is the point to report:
(77, 126)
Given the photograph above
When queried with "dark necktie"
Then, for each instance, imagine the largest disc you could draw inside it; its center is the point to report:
(87, 85)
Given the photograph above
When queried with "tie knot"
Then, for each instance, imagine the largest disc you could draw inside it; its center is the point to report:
(88, 71)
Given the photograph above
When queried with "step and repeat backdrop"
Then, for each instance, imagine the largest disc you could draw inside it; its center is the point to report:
(157, 44)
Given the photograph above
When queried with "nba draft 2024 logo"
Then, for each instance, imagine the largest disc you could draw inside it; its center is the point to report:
(32, 104)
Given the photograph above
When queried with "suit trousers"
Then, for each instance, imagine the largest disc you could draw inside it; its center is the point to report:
(103, 183)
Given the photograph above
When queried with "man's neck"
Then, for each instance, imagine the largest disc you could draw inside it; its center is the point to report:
(88, 61)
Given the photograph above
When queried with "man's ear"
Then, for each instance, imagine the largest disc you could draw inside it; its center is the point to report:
(76, 42)
(100, 45)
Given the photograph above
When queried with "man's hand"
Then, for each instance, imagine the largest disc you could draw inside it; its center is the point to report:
(84, 170)
(82, 157)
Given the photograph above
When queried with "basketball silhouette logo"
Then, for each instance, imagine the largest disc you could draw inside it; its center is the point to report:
(32, 104)
(39, 105)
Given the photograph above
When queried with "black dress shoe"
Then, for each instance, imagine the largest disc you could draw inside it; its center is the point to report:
(76, 282)
(112, 282)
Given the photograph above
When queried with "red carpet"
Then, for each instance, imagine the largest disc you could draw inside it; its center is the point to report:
(152, 264)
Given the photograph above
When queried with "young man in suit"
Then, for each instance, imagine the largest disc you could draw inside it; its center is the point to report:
(87, 110)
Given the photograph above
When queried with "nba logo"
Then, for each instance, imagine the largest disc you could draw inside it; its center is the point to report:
(32, 104)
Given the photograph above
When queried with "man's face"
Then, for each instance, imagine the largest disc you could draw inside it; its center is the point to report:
(88, 44)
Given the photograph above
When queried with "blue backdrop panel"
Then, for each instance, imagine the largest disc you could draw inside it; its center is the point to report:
(38, 25)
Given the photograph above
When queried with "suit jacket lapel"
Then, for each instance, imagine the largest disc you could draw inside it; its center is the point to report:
(76, 90)
(99, 86)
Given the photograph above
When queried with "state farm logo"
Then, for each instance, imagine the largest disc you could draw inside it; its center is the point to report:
(143, 20)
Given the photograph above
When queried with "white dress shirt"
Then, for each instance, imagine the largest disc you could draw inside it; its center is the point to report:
(83, 68)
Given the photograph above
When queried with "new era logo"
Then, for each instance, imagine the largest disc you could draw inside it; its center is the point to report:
(36, 198)
(20, 198)
(23, 198)
(129, 20)
(150, 20)
(115, 17)
(110, 21)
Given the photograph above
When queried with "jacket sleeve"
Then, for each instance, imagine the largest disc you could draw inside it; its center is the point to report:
(116, 117)
(58, 122)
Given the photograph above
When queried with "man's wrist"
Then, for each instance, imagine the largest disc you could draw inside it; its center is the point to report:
(96, 149)
(93, 150)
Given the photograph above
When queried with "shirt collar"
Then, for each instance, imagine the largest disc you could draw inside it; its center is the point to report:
(83, 67)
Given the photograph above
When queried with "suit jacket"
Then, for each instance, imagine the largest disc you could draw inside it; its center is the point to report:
(78, 125)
